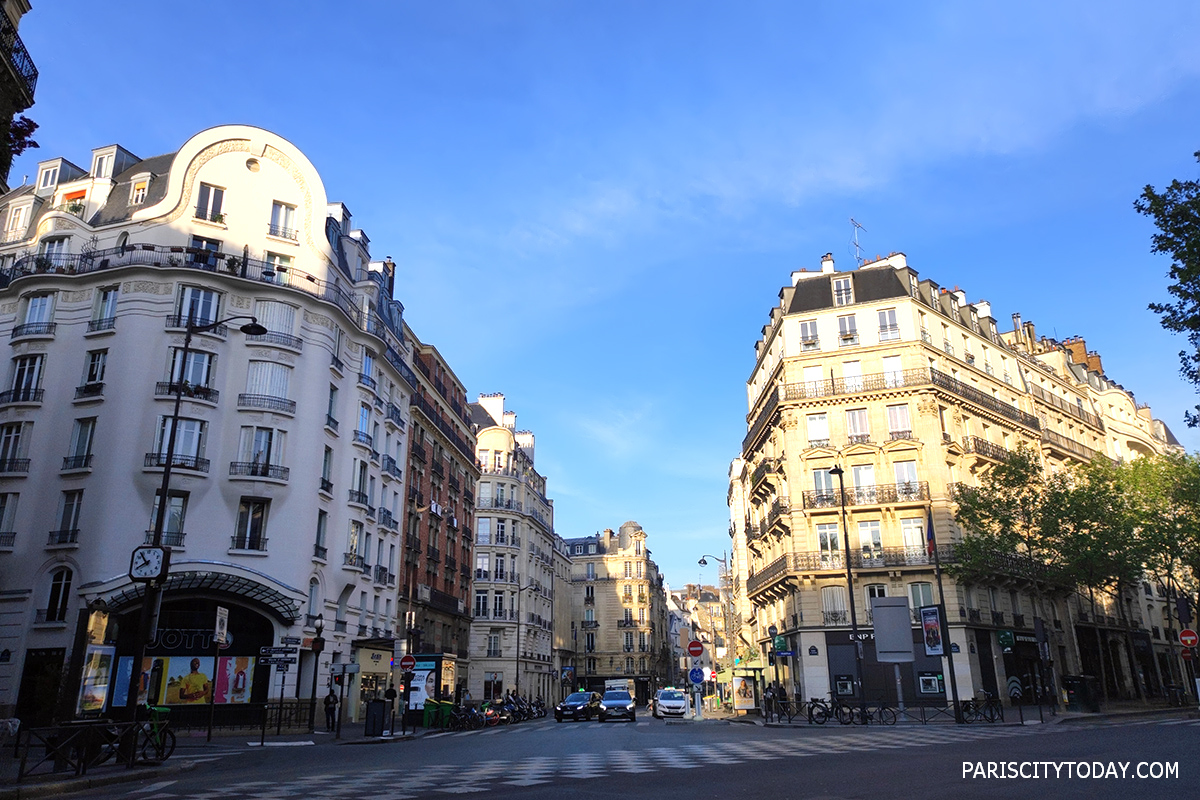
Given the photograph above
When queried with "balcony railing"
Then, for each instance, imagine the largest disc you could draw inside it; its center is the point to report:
(393, 415)
(252, 469)
(326, 486)
(979, 446)
(320, 551)
(87, 390)
(355, 496)
(281, 339)
(77, 462)
(64, 536)
(169, 538)
(8, 538)
(869, 495)
(331, 423)
(279, 405)
(1068, 445)
(834, 560)
(238, 542)
(363, 438)
(590, 623)
(352, 560)
(21, 395)
(178, 461)
(34, 329)
(366, 380)
(188, 390)
(180, 321)
(102, 324)
(14, 465)
(1062, 405)
(280, 232)
(18, 58)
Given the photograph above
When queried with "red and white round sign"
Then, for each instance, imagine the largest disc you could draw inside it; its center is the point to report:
(695, 648)
(1188, 637)
(408, 663)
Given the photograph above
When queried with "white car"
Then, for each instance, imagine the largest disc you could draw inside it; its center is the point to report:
(669, 703)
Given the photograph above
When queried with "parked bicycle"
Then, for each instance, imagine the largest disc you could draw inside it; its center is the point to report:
(880, 714)
(157, 740)
(985, 707)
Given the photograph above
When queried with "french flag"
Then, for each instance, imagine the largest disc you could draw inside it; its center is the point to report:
(930, 544)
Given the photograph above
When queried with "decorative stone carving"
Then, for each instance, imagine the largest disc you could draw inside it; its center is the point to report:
(273, 355)
(77, 297)
(8, 308)
(239, 301)
(927, 407)
(147, 287)
(318, 319)
(202, 158)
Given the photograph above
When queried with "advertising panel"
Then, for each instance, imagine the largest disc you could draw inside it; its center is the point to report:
(97, 677)
(235, 679)
(743, 693)
(931, 630)
(189, 680)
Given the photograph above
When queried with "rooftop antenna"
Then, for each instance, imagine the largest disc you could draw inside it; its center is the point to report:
(857, 247)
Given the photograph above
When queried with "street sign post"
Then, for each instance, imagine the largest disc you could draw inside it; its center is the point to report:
(696, 675)
(221, 631)
(408, 663)
(277, 660)
(1188, 638)
(276, 651)
(289, 640)
(695, 648)
(773, 631)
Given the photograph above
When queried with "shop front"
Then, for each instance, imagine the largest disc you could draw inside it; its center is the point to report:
(374, 659)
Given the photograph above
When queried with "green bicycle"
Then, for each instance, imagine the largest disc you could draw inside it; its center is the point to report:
(157, 739)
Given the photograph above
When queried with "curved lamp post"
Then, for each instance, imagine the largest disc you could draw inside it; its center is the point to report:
(318, 645)
(858, 656)
(723, 577)
(153, 594)
(520, 592)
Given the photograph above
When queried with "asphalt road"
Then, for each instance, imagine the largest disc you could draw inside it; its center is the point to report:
(542, 760)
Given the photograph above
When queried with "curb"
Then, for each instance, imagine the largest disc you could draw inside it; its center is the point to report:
(1072, 718)
(54, 788)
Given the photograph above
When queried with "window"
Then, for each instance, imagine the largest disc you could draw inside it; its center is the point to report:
(68, 517)
(137, 195)
(870, 540)
(261, 447)
(10, 447)
(16, 221)
(102, 166)
(498, 605)
(276, 317)
(481, 602)
(501, 530)
(39, 308)
(60, 595)
(628, 640)
(208, 203)
(483, 565)
(864, 483)
(808, 335)
(8, 517)
(873, 590)
(843, 292)
(628, 569)
(591, 549)
(827, 540)
(275, 268)
(628, 616)
(368, 364)
(27, 378)
(589, 644)
(203, 251)
(80, 454)
(920, 594)
(327, 464)
(173, 522)
(268, 379)
(321, 547)
(893, 371)
(364, 418)
(189, 440)
(629, 664)
(577, 550)
(331, 407)
(283, 222)
(899, 425)
(817, 426)
(483, 531)
(888, 329)
(857, 427)
(251, 531)
(907, 487)
(912, 285)
(106, 304)
(196, 372)
(852, 376)
(591, 571)
(201, 305)
(833, 604)
(847, 331)
(823, 486)
(49, 177)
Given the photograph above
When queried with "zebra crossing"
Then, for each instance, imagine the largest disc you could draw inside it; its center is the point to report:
(447, 779)
(533, 727)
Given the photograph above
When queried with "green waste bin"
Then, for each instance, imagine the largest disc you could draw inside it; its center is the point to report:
(437, 713)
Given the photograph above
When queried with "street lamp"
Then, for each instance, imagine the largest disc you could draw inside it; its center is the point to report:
(840, 473)
(519, 593)
(723, 576)
(150, 563)
(318, 644)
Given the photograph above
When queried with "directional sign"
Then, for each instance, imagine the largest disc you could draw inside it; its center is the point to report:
(276, 651)
(1188, 637)
(695, 650)
(221, 631)
(408, 663)
(696, 675)
(342, 669)
(278, 660)
(281, 667)
(780, 643)
(785, 653)
(289, 640)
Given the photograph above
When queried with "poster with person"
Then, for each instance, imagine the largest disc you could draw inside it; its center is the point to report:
(235, 679)
(97, 677)
(743, 693)
(931, 627)
(189, 680)
(424, 687)
(150, 685)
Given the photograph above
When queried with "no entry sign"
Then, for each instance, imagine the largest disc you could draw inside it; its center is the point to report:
(1188, 637)
(695, 648)
(408, 663)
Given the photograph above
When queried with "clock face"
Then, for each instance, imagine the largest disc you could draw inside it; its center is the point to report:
(147, 563)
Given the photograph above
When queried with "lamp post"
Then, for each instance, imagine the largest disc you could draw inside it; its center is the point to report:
(841, 473)
(723, 577)
(520, 592)
(150, 564)
(318, 645)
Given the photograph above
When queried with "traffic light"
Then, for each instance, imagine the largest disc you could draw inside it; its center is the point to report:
(337, 679)
(771, 658)
(1183, 608)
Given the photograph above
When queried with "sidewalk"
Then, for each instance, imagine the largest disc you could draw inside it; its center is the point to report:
(190, 745)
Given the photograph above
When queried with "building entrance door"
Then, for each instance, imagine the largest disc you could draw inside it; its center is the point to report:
(39, 686)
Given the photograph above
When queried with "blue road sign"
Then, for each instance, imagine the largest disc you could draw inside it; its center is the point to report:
(786, 653)
(696, 675)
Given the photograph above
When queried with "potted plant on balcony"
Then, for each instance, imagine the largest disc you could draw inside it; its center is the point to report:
(233, 264)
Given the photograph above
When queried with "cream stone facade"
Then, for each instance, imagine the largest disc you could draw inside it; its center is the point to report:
(619, 613)
(519, 564)
(289, 479)
(911, 390)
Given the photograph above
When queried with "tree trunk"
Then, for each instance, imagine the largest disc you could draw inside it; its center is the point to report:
(1134, 666)
(1099, 645)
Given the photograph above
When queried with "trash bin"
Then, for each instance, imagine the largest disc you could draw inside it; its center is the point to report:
(376, 719)
(1073, 686)
(1083, 693)
(432, 716)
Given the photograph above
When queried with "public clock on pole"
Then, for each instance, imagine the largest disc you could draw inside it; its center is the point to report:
(148, 563)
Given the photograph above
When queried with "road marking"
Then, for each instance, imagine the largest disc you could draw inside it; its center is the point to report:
(154, 787)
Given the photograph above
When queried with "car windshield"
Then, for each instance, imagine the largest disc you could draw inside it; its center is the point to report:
(617, 697)
(578, 697)
(671, 695)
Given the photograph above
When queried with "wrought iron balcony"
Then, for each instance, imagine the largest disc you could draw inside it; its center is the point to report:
(188, 390)
(835, 617)
(320, 551)
(331, 423)
(13, 396)
(180, 321)
(240, 542)
(178, 461)
(281, 339)
(14, 465)
(280, 405)
(885, 494)
(280, 232)
(169, 538)
(19, 61)
(77, 462)
(8, 538)
(336, 363)
(352, 560)
(64, 536)
(589, 624)
(102, 324)
(393, 416)
(366, 380)
(89, 390)
(433, 553)
(979, 446)
(326, 486)
(34, 329)
(363, 438)
(253, 469)
(357, 497)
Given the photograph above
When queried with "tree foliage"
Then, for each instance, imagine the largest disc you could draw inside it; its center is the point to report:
(19, 136)
(1176, 213)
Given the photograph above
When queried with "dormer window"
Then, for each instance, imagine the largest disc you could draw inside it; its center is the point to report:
(102, 166)
(843, 292)
(137, 194)
(49, 177)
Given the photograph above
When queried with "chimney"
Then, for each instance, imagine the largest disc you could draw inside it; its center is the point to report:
(389, 277)
(1016, 318)
(827, 263)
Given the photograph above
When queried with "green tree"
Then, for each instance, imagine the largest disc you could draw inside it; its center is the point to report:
(1176, 213)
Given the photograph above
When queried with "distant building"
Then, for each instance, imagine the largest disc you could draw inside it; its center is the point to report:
(519, 564)
(912, 390)
(619, 612)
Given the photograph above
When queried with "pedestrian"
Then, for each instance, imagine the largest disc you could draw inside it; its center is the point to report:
(390, 696)
(768, 702)
(331, 703)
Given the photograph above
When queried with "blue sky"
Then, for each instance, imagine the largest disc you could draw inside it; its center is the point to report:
(593, 205)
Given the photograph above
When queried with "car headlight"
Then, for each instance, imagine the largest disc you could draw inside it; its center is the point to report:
(629, 707)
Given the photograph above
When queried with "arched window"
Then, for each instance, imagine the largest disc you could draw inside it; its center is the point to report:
(60, 595)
